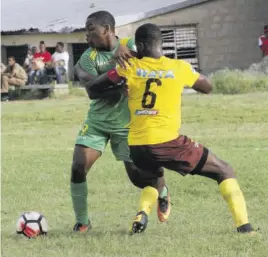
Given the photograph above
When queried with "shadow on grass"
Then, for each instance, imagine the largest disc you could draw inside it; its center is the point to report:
(67, 233)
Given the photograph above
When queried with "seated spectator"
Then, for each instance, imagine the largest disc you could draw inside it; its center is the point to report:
(29, 59)
(13, 75)
(40, 59)
(60, 61)
(263, 41)
(3, 67)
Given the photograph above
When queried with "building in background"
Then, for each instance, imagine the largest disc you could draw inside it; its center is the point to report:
(211, 34)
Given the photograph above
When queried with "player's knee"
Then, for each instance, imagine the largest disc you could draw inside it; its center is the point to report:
(79, 172)
(133, 174)
(225, 171)
(137, 177)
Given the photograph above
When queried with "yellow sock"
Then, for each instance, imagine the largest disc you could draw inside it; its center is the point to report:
(232, 194)
(148, 198)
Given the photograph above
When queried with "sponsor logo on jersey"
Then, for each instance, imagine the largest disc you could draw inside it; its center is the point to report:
(146, 112)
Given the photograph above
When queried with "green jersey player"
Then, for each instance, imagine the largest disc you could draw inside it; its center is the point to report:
(107, 118)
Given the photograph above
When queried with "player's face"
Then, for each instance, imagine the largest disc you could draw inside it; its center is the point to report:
(266, 33)
(95, 34)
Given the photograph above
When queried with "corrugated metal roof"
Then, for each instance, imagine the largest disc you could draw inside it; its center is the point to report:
(66, 16)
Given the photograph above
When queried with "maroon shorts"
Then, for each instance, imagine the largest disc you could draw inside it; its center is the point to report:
(181, 154)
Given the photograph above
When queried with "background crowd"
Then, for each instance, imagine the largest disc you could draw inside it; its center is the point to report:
(40, 67)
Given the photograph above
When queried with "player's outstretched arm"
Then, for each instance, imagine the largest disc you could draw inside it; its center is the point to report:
(202, 85)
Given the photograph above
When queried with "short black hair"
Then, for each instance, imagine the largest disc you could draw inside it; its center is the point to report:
(42, 42)
(61, 44)
(266, 27)
(148, 33)
(103, 18)
(12, 57)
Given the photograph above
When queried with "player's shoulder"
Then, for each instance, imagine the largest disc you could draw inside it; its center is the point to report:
(88, 51)
(128, 42)
(89, 54)
(182, 64)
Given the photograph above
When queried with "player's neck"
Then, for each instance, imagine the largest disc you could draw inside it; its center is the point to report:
(155, 55)
(113, 40)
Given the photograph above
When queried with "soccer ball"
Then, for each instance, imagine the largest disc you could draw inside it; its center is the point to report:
(32, 224)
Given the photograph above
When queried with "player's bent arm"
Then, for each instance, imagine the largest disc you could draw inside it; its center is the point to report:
(106, 81)
(87, 80)
(84, 77)
(202, 85)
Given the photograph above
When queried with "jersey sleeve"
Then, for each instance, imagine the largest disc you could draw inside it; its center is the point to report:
(87, 64)
(190, 75)
(131, 44)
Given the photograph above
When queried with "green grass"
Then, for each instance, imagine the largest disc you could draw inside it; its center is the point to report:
(37, 143)
(228, 81)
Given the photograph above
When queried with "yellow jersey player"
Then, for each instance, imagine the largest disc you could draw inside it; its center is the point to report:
(155, 84)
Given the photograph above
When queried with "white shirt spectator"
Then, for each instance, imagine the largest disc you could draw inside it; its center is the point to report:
(61, 56)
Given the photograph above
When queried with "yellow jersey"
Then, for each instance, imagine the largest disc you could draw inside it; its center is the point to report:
(155, 89)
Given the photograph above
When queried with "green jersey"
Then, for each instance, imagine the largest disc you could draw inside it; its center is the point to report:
(115, 111)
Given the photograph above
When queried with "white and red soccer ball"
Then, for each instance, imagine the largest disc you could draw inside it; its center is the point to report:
(32, 224)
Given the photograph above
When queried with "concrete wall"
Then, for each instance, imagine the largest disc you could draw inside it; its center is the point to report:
(50, 39)
(228, 31)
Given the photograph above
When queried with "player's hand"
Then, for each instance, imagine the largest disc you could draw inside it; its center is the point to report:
(122, 56)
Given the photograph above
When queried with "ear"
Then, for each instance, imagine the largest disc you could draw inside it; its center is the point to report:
(107, 28)
(140, 49)
(140, 46)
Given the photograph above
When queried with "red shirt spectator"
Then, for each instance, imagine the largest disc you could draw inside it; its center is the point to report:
(44, 54)
(263, 41)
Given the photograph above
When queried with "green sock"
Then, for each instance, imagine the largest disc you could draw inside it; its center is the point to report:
(164, 192)
(79, 197)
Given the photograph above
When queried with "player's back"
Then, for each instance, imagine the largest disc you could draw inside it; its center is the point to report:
(155, 88)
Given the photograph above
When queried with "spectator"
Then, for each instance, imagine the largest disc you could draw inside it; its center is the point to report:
(263, 41)
(29, 59)
(3, 67)
(13, 75)
(60, 61)
(38, 65)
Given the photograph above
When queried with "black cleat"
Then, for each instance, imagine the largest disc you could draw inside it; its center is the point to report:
(247, 229)
(139, 224)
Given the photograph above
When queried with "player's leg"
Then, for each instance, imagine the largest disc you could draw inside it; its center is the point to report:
(83, 159)
(150, 175)
(189, 157)
(121, 151)
(223, 173)
(90, 144)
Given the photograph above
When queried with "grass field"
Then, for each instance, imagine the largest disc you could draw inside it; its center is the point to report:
(37, 143)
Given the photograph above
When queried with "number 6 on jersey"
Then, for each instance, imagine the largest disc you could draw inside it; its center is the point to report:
(148, 93)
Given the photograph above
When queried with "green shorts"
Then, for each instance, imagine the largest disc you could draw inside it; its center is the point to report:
(96, 136)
